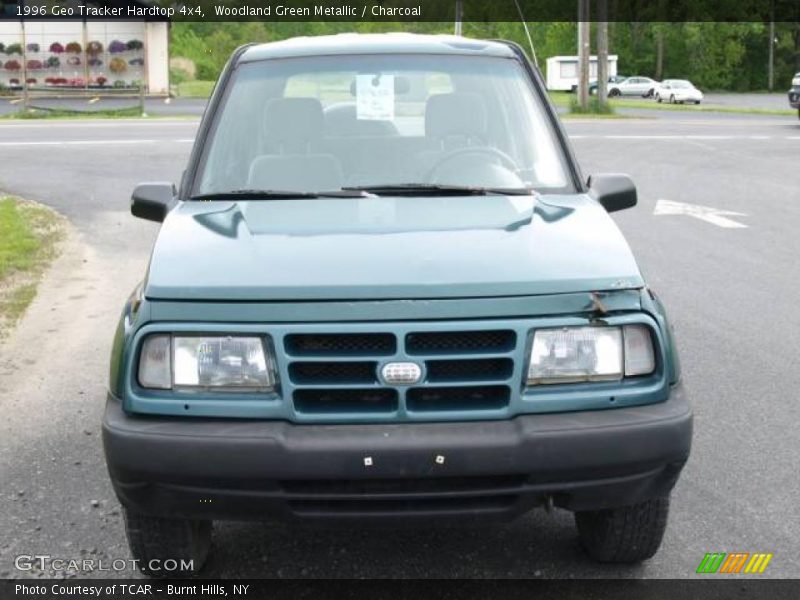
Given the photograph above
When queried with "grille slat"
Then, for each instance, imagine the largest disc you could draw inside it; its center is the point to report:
(460, 342)
(341, 344)
(446, 371)
(322, 401)
(326, 373)
(489, 397)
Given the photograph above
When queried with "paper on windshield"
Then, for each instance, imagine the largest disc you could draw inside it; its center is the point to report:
(375, 97)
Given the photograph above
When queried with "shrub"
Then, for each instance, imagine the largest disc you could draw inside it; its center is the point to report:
(13, 65)
(74, 48)
(56, 48)
(119, 83)
(101, 80)
(14, 49)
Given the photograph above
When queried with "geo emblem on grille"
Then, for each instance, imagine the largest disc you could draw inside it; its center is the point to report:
(401, 373)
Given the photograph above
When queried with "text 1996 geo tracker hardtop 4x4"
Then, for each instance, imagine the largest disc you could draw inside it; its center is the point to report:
(384, 292)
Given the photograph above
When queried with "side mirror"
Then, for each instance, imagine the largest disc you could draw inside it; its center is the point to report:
(613, 190)
(152, 201)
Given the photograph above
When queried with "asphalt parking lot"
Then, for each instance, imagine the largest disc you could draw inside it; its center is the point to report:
(715, 233)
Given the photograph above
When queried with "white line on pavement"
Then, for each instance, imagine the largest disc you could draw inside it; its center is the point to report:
(655, 137)
(93, 142)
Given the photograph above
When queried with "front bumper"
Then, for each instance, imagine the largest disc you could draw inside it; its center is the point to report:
(234, 469)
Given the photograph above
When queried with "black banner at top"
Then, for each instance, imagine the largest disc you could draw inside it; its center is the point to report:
(402, 10)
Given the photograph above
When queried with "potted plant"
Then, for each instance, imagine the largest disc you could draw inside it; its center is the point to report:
(101, 81)
(32, 47)
(116, 47)
(136, 62)
(53, 62)
(31, 81)
(135, 45)
(14, 49)
(94, 48)
(73, 48)
(95, 62)
(56, 48)
(74, 61)
(34, 65)
(13, 65)
(13, 81)
(117, 65)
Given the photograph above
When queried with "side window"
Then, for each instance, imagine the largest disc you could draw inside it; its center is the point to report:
(569, 69)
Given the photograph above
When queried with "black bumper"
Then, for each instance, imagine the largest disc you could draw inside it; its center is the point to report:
(232, 469)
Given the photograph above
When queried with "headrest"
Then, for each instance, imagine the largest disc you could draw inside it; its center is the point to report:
(457, 113)
(291, 123)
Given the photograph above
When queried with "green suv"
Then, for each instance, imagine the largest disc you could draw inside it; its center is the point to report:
(384, 293)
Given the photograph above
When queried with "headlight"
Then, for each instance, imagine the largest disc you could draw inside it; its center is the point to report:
(575, 354)
(796, 81)
(224, 363)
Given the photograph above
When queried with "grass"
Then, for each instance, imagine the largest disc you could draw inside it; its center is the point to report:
(565, 99)
(195, 89)
(29, 234)
(42, 113)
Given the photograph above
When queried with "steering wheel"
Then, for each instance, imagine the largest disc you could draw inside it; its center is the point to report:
(505, 159)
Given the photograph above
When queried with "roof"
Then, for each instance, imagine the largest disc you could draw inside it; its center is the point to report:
(380, 43)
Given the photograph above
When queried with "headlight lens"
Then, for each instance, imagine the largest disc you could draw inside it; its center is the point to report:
(796, 81)
(576, 354)
(233, 363)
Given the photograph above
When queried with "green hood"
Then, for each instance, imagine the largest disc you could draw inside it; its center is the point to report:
(382, 248)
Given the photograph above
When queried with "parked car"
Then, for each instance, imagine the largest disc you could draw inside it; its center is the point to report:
(678, 91)
(611, 80)
(436, 320)
(633, 86)
(794, 93)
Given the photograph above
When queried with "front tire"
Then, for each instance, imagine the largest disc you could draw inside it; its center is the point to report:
(672, 99)
(623, 535)
(154, 540)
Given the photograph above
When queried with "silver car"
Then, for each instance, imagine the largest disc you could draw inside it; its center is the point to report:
(633, 86)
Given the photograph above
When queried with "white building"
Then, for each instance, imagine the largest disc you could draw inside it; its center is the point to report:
(562, 71)
(93, 54)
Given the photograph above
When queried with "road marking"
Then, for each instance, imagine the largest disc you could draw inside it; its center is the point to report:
(656, 137)
(715, 216)
(94, 142)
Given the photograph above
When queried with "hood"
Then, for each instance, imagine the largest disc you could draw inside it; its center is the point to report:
(387, 247)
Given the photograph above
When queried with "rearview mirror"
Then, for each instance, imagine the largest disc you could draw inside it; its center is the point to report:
(152, 201)
(613, 190)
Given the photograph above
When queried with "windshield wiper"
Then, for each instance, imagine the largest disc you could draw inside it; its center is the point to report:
(438, 189)
(248, 194)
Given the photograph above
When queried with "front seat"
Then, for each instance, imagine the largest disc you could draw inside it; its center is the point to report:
(455, 120)
(291, 129)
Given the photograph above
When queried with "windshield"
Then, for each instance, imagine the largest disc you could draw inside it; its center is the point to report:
(321, 124)
(681, 84)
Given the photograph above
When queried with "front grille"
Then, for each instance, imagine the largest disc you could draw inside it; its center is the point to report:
(458, 398)
(332, 401)
(339, 374)
(491, 369)
(326, 373)
(458, 342)
(341, 344)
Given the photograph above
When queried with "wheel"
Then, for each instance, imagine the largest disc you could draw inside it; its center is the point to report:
(623, 535)
(153, 541)
(658, 98)
(697, 102)
(613, 93)
(672, 99)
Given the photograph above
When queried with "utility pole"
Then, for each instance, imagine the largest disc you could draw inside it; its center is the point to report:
(771, 63)
(584, 48)
(602, 52)
(459, 16)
